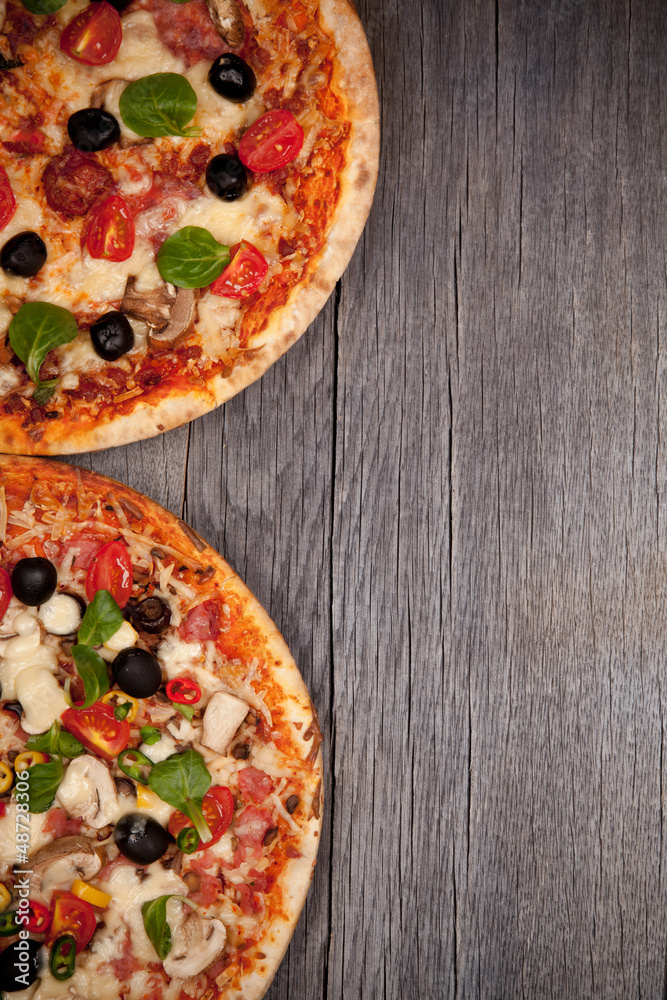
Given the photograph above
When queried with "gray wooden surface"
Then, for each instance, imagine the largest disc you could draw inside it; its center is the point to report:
(450, 496)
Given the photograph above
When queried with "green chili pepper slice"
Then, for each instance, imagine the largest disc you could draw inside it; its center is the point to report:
(63, 957)
(9, 923)
(135, 765)
(188, 840)
(121, 711)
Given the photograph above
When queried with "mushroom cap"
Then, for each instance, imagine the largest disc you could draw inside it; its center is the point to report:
(79, 851)
(227, 18)
(197, 943)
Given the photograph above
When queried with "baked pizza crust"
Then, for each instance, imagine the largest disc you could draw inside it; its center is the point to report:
(296, 876)
(157, 413)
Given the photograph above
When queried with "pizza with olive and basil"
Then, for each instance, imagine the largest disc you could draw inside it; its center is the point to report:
(181, 185)
(160, 761)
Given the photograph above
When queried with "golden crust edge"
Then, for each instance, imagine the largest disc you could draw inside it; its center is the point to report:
(356, 77)
(296, 877)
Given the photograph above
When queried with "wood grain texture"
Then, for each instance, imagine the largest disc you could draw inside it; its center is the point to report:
(450, 497)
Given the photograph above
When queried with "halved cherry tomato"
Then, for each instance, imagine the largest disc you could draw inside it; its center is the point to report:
(243, 274)
(71, 915)
(183, 691)
(93, 36)
(218, 809)
(111, 569)
(111, 230)
(5, 591)
(271, 142)
(7, 199)
(98, 729)
(39, 918)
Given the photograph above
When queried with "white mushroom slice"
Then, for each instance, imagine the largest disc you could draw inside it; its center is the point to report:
(78, 852)
(222, 718)
(153, 307)
(227, 18)
(42, 699)
(196, 944)
(89, 791)
(61, 615)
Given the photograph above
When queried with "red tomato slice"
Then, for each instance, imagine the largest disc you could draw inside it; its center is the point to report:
(111, 570)
(5, 591)
(7, 199)
(93, 36)
(243, 274)
(271, 142)
(218, 809)
(111, 230)
(71, 915)
(98, 729)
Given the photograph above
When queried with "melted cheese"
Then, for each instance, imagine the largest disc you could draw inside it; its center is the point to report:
(42, 698)
(24, 652)
(38, 838)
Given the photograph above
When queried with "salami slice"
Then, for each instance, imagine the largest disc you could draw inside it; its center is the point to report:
(73, 182)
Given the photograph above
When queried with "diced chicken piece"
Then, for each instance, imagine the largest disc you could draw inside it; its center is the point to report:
(61, 615)
(222, 718)
(42, 699)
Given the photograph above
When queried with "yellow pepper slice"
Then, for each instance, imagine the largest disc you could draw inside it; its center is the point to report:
(116, 698)
(5, 897)
(28, 758)
(89, 894)
(6, 777)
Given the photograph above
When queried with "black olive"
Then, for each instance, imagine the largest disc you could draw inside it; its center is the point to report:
(120, 5)
(232, 78)
(19, 965)
(92, 129)
(14, 706)
(151, 615)
(226, 177)
(140, 838)
(23, 255)
(34, 580)
(137, 672)
(112, 336)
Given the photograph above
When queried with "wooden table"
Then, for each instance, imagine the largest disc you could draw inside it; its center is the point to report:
(450, 495)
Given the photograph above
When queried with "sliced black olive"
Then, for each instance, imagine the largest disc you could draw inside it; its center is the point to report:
(14, 706)
(151, 615)
(92, 129)
(137, 672)
(34, 580)
(140, 838)
(226, 177)
(23, 255)
(112, 336)
(19, 965)
(232, 78)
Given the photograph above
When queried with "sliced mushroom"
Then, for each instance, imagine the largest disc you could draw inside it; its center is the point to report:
(181, 321)
(153, 307)
(196, 944)
(227, 18)
(78, 852)
(222, 718)
(89, 791)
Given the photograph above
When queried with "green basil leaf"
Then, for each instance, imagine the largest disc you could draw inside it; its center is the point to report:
(93, 672)
(182, 781)
(11, 63)
(192, 258)
(43, 783)
(187, 710)
(36, 329)
(154, 912)
(44, 391)
(44, 6)
(56, 741)
(159, 104)
(150, 735)
(102, 619)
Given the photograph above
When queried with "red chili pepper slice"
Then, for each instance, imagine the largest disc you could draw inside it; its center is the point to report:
(39, 918)
(183, 691)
